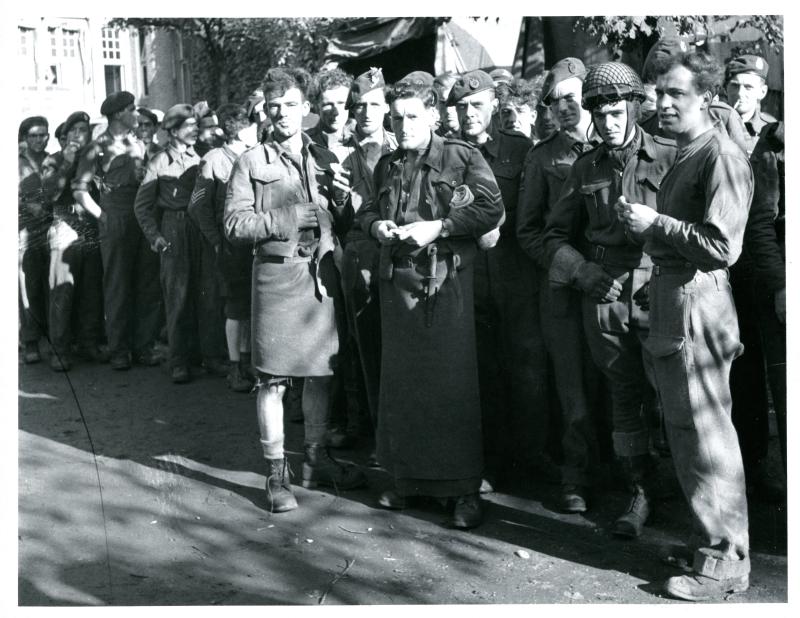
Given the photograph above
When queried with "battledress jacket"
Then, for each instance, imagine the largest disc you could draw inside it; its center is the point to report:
(429, 418)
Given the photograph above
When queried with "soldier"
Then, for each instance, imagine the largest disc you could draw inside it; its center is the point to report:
(511, 359)
(576, 377)
(435, 197)
(765, 241)
(106, 180)
(76, 267)
(546, 122)
(209, 135)
(148, 125)
(368, 143)
(281, 199)
(34, 221)
(330, 92)
(60, 136)
(234, 262)
(187, 270)
(746, 87)
(448, 117)
(518, 112)
(590, 251)
(694, 235)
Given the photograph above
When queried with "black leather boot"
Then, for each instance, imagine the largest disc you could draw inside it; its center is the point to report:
(319, 468)
(279, 491)
(638, 471)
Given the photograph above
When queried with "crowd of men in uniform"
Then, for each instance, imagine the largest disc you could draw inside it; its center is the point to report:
(481, 270)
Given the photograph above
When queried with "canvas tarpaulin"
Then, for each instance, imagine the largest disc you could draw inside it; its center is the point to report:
(368, 36)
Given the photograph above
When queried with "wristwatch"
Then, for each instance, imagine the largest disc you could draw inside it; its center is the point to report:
(446, 228)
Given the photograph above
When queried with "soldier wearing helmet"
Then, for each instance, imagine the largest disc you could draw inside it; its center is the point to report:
(577, 379)
(591, 252)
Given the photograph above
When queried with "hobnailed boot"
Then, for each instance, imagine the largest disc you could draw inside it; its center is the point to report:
(319, 468)
(237, 381)
(279, 491)
(630, 523)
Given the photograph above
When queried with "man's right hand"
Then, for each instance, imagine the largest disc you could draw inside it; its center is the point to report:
(597, 283)
(306, 216)
(160, 245)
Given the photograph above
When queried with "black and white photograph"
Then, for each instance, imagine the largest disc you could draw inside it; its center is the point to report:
(398, 311)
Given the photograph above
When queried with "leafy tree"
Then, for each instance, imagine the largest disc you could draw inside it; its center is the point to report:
(229, 56)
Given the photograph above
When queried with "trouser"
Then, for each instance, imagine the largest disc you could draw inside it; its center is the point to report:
(577, 379)
(34, 258)
(130, 284)
(76, 284)
(694, 337)
(615, 332)
(195, 323)
(750, 411)
(360, 285)
(512, 365)
(773, 337)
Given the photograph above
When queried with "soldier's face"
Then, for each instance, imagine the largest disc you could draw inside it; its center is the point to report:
(565, 102)
(370, 111)
(187, 133)
(680, 106)
(286, 113)
(745, 90)
(37, 138)
(145, 130)
(475, 112)
(332, 114)
(546, 123)
(611, 121)
(411, 123)
(129, 117)
(448, 117)
(79, 134)
(518, 117)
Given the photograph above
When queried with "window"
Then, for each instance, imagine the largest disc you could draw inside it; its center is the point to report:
(69, 41)
(111, 45)
(113, 73)
(27, 60)
(26, 41)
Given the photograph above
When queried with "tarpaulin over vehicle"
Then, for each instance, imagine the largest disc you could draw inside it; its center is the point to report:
(368, 36)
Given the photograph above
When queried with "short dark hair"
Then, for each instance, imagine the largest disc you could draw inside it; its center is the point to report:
(328, 80)
(526, 92)
(410, 90)
(278, 81)
(706, 70)
(232, 118)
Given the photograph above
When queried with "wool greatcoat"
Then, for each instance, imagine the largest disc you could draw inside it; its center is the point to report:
(429, 417)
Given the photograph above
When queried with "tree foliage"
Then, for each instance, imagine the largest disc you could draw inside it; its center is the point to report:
(628, 33)
(229, 56)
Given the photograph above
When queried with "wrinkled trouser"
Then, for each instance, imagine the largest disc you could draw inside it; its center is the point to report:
(512, 365)
(76, 284)
(750, 411)
(694, 337)
(578, 381)
(32, 270)
(191, 292)
(615, 333)
(130, 284)
(773, 336)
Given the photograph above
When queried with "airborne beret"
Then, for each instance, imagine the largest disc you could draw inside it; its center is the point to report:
(177, 115)
(747, 64)
(469, 83)
(30, 122)
(73, 119)
(143, 111)
(59, 131)
(560, 71)
(661, 50)
(116, 102)
(364, 83)
(418, 78)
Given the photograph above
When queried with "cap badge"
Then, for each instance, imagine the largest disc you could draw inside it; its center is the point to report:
(474, 83)
(571, 67)
(759, 64)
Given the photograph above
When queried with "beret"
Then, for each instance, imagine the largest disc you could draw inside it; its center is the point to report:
(364, 83)
(30, 122)
(443, 83)
(59, 131)
(560, 71)
(143, 111)
(418, 78)
(208, 121)
(116, 102)
(73, 119)
(747, 64)
(177, 115)
(501, 76)
(662, 49)
(469, 83)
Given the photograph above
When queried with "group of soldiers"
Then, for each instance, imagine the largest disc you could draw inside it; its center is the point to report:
(493, 263)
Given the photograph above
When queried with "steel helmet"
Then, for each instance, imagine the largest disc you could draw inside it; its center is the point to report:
(610, 82)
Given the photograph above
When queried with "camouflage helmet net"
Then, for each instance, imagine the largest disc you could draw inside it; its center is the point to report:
(610, 82)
